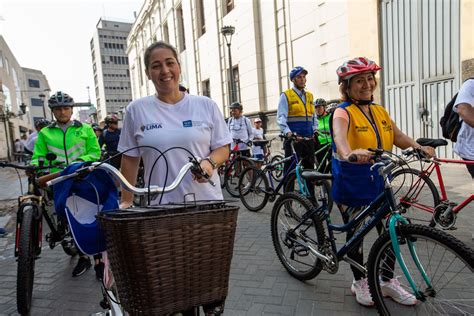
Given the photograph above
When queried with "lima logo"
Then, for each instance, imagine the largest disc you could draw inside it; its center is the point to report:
(151, 126)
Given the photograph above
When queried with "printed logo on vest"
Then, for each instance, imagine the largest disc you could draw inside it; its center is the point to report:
(188, 123)
(151, 126)
(362, 129)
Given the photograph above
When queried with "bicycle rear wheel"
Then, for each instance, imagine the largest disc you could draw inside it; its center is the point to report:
(26, 260)
(292, 246)
(253, 189)
(448, 263)
(417, 194)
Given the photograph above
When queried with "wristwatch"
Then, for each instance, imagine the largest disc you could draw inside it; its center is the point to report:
(212, 162)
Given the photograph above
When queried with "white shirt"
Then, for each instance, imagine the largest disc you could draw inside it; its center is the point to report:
(194, 123)
(464, 146)
(30, 142)
(240, 128)
(257, 134)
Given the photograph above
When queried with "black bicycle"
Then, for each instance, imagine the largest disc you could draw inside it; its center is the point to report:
(33, 206)
(434, 267)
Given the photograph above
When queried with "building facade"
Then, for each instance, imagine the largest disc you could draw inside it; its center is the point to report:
(37, 95)
(110, 67)
(15, 119)
(424, 47)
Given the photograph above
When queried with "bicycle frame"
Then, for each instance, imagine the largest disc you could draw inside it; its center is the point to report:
(322, 149)
(435, 166)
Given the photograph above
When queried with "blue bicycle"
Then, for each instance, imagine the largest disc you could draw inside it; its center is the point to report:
(256, 185)
(435, 267)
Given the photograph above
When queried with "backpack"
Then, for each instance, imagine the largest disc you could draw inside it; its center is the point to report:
(451, 122)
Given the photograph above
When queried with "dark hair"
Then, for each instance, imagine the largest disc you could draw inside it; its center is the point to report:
(152, 47)
(344, 86)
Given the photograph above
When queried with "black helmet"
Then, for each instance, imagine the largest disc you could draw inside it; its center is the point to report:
(41, 123)
(320, 102)
(60, 99)
(112, 118)
(236, 105)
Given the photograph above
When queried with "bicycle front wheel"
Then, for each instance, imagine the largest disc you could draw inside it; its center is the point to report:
(232, 175)
(447, 262)
(26, 260)
(253, 189)
(322, 189)
(292, 244)
(416, 194)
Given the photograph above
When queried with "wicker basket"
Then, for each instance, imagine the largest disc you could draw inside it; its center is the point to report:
(170, 259)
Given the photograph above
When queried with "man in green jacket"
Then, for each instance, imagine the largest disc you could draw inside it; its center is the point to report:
(324, 136)
(71, 141)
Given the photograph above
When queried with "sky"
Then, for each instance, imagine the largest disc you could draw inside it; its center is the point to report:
(54, 37)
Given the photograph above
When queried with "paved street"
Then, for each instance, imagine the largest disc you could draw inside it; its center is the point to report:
(258, 282)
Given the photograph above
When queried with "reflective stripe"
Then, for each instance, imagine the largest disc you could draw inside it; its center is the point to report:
(297, 119)
(79, 144)
(74, 156)
(55, 150)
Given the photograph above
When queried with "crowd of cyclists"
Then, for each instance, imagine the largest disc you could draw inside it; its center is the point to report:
(154, 124)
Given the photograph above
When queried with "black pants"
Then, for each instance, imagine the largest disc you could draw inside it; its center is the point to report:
(116, 161)
(323, 163)
(357, 252)
(305, 151)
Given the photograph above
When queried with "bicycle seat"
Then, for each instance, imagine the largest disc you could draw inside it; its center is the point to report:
(431, 142)
(315, 176)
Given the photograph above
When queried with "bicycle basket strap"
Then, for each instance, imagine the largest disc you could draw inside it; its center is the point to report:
(79, 201)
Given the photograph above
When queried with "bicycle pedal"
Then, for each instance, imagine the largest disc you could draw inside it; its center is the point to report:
(301, 251)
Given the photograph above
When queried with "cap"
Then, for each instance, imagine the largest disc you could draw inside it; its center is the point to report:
(257, 120)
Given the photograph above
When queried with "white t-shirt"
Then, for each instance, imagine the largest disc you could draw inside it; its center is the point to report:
(240, 128)
(194, 123)
(30, 142)
(464, 146)
(257, 134)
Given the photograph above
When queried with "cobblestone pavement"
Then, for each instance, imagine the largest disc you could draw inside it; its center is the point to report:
(258, 282)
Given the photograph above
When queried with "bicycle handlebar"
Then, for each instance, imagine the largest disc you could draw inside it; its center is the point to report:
(193, 165)
(5, 164)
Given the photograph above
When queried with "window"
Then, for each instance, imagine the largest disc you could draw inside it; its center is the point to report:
(201, 23)
(32, 83)
(36, 102)
(227, 6)
(236, 87)
(181, 37)
(166, 33)
(206, 88)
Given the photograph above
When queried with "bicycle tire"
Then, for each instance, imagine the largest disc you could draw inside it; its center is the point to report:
(447, 262)
(232, 175)
(277, 173)
(284, 216)
(426, 195)
(253, 189)
(323, 188)
(26, 261)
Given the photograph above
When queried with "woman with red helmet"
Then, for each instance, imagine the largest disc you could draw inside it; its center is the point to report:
(359, 124)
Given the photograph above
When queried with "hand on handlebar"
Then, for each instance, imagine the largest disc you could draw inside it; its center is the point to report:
(359, 156)
(427, 151)
(203, 175)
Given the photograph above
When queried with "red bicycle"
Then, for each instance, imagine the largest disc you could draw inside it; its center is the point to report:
(418, 194)
(229, 172)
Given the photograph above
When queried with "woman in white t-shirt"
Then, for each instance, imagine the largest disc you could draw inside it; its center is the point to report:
(172, 118)
(258, 151)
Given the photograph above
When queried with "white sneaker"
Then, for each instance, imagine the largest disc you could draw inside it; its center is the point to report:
(394, 289)
(361, 290)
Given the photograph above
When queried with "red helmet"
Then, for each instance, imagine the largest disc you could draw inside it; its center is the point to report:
(356, 66)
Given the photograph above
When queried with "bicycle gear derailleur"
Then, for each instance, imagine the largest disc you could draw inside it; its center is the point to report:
(444, 216)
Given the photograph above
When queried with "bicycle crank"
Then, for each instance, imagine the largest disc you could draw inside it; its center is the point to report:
(443, 215)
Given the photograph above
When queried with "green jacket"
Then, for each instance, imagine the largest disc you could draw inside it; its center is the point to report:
(323, 126)
(78, 143)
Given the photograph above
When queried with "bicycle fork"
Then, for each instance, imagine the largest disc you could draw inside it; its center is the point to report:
(396, 247)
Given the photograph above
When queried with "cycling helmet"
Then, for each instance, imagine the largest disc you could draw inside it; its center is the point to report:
(111, 119)
(356, 66)
(296, 71)
(39, 124)
(320, 102)
(236, 105)
(60, 99)
(332, 107)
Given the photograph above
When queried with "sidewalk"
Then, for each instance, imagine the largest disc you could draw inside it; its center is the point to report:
(258, 282)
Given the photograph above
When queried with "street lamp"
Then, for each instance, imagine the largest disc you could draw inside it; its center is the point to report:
(43, 98)
(5, 115)
(228, 31)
